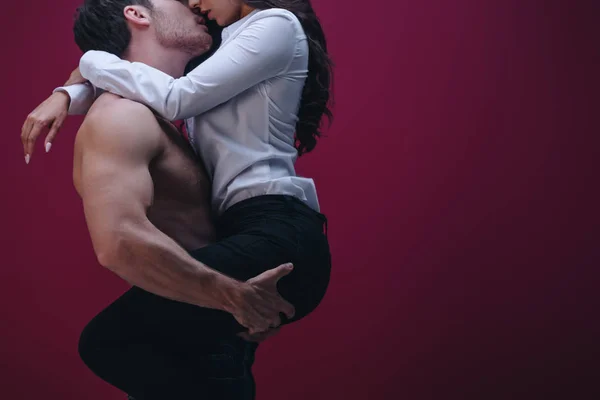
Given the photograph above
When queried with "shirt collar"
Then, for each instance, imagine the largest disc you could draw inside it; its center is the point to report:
(229, 30)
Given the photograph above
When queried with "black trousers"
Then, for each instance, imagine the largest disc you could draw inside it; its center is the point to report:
(154, 348)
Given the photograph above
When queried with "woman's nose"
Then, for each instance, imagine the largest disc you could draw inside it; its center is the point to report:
(194, 3)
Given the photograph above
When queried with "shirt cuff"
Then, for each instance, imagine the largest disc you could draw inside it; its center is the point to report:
(82, 97)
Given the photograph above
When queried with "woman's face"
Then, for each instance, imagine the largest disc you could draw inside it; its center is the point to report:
(224, 12)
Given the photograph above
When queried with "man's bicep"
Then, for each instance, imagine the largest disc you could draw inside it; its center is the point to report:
(116, 189)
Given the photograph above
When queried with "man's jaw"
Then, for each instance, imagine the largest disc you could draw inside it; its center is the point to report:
(169, 61)
(201, 19)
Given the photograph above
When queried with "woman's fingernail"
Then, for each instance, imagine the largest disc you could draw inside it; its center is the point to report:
(48, 146)
(27, 158)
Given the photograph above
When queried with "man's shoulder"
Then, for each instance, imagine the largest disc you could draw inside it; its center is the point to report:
(115, 119)
(110, 109)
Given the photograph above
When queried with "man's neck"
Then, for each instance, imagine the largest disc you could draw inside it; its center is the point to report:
(169, 61)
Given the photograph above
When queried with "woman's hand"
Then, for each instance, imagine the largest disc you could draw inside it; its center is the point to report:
(49, 115)
(256, 303)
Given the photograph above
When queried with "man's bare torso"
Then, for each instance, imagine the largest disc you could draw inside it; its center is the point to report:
(181, 203)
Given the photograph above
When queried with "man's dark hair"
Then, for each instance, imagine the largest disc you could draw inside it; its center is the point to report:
(101, 25)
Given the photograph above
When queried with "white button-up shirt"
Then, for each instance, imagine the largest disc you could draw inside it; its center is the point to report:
(240, 105)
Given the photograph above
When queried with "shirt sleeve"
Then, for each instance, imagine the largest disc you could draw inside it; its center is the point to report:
(82, 97)
(264, 49)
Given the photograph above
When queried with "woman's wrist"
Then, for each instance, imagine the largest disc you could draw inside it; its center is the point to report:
(64, 95)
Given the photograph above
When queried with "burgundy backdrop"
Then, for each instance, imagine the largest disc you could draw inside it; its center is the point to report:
(460, 178)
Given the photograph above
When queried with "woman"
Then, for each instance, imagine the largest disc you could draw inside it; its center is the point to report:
(251, 109)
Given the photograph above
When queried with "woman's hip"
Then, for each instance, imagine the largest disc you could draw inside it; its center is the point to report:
(267, 232)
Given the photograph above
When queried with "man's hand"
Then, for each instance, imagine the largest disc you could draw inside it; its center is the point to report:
(259, 337)
(50, 114)
(256, 304)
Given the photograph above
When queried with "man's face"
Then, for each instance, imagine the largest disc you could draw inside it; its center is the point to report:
(177, 27)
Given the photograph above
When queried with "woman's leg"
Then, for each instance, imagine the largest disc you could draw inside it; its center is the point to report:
(150, 347)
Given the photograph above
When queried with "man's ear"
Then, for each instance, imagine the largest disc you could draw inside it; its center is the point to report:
(137, 15)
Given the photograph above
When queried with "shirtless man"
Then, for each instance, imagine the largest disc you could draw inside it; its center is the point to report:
(146, 199)
(146, 202)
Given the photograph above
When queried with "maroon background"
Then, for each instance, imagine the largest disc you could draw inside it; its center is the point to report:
(460, 178)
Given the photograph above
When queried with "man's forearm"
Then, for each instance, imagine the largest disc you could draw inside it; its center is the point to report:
(147, 258)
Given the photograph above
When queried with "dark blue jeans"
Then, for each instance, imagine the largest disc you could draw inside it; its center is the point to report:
(154, 348)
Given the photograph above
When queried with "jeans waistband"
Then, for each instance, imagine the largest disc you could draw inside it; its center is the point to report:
(272, 202)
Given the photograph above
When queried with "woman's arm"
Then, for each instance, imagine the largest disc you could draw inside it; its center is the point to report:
(81, 95)
(74, 98)
(263, 50)
(80, 92)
